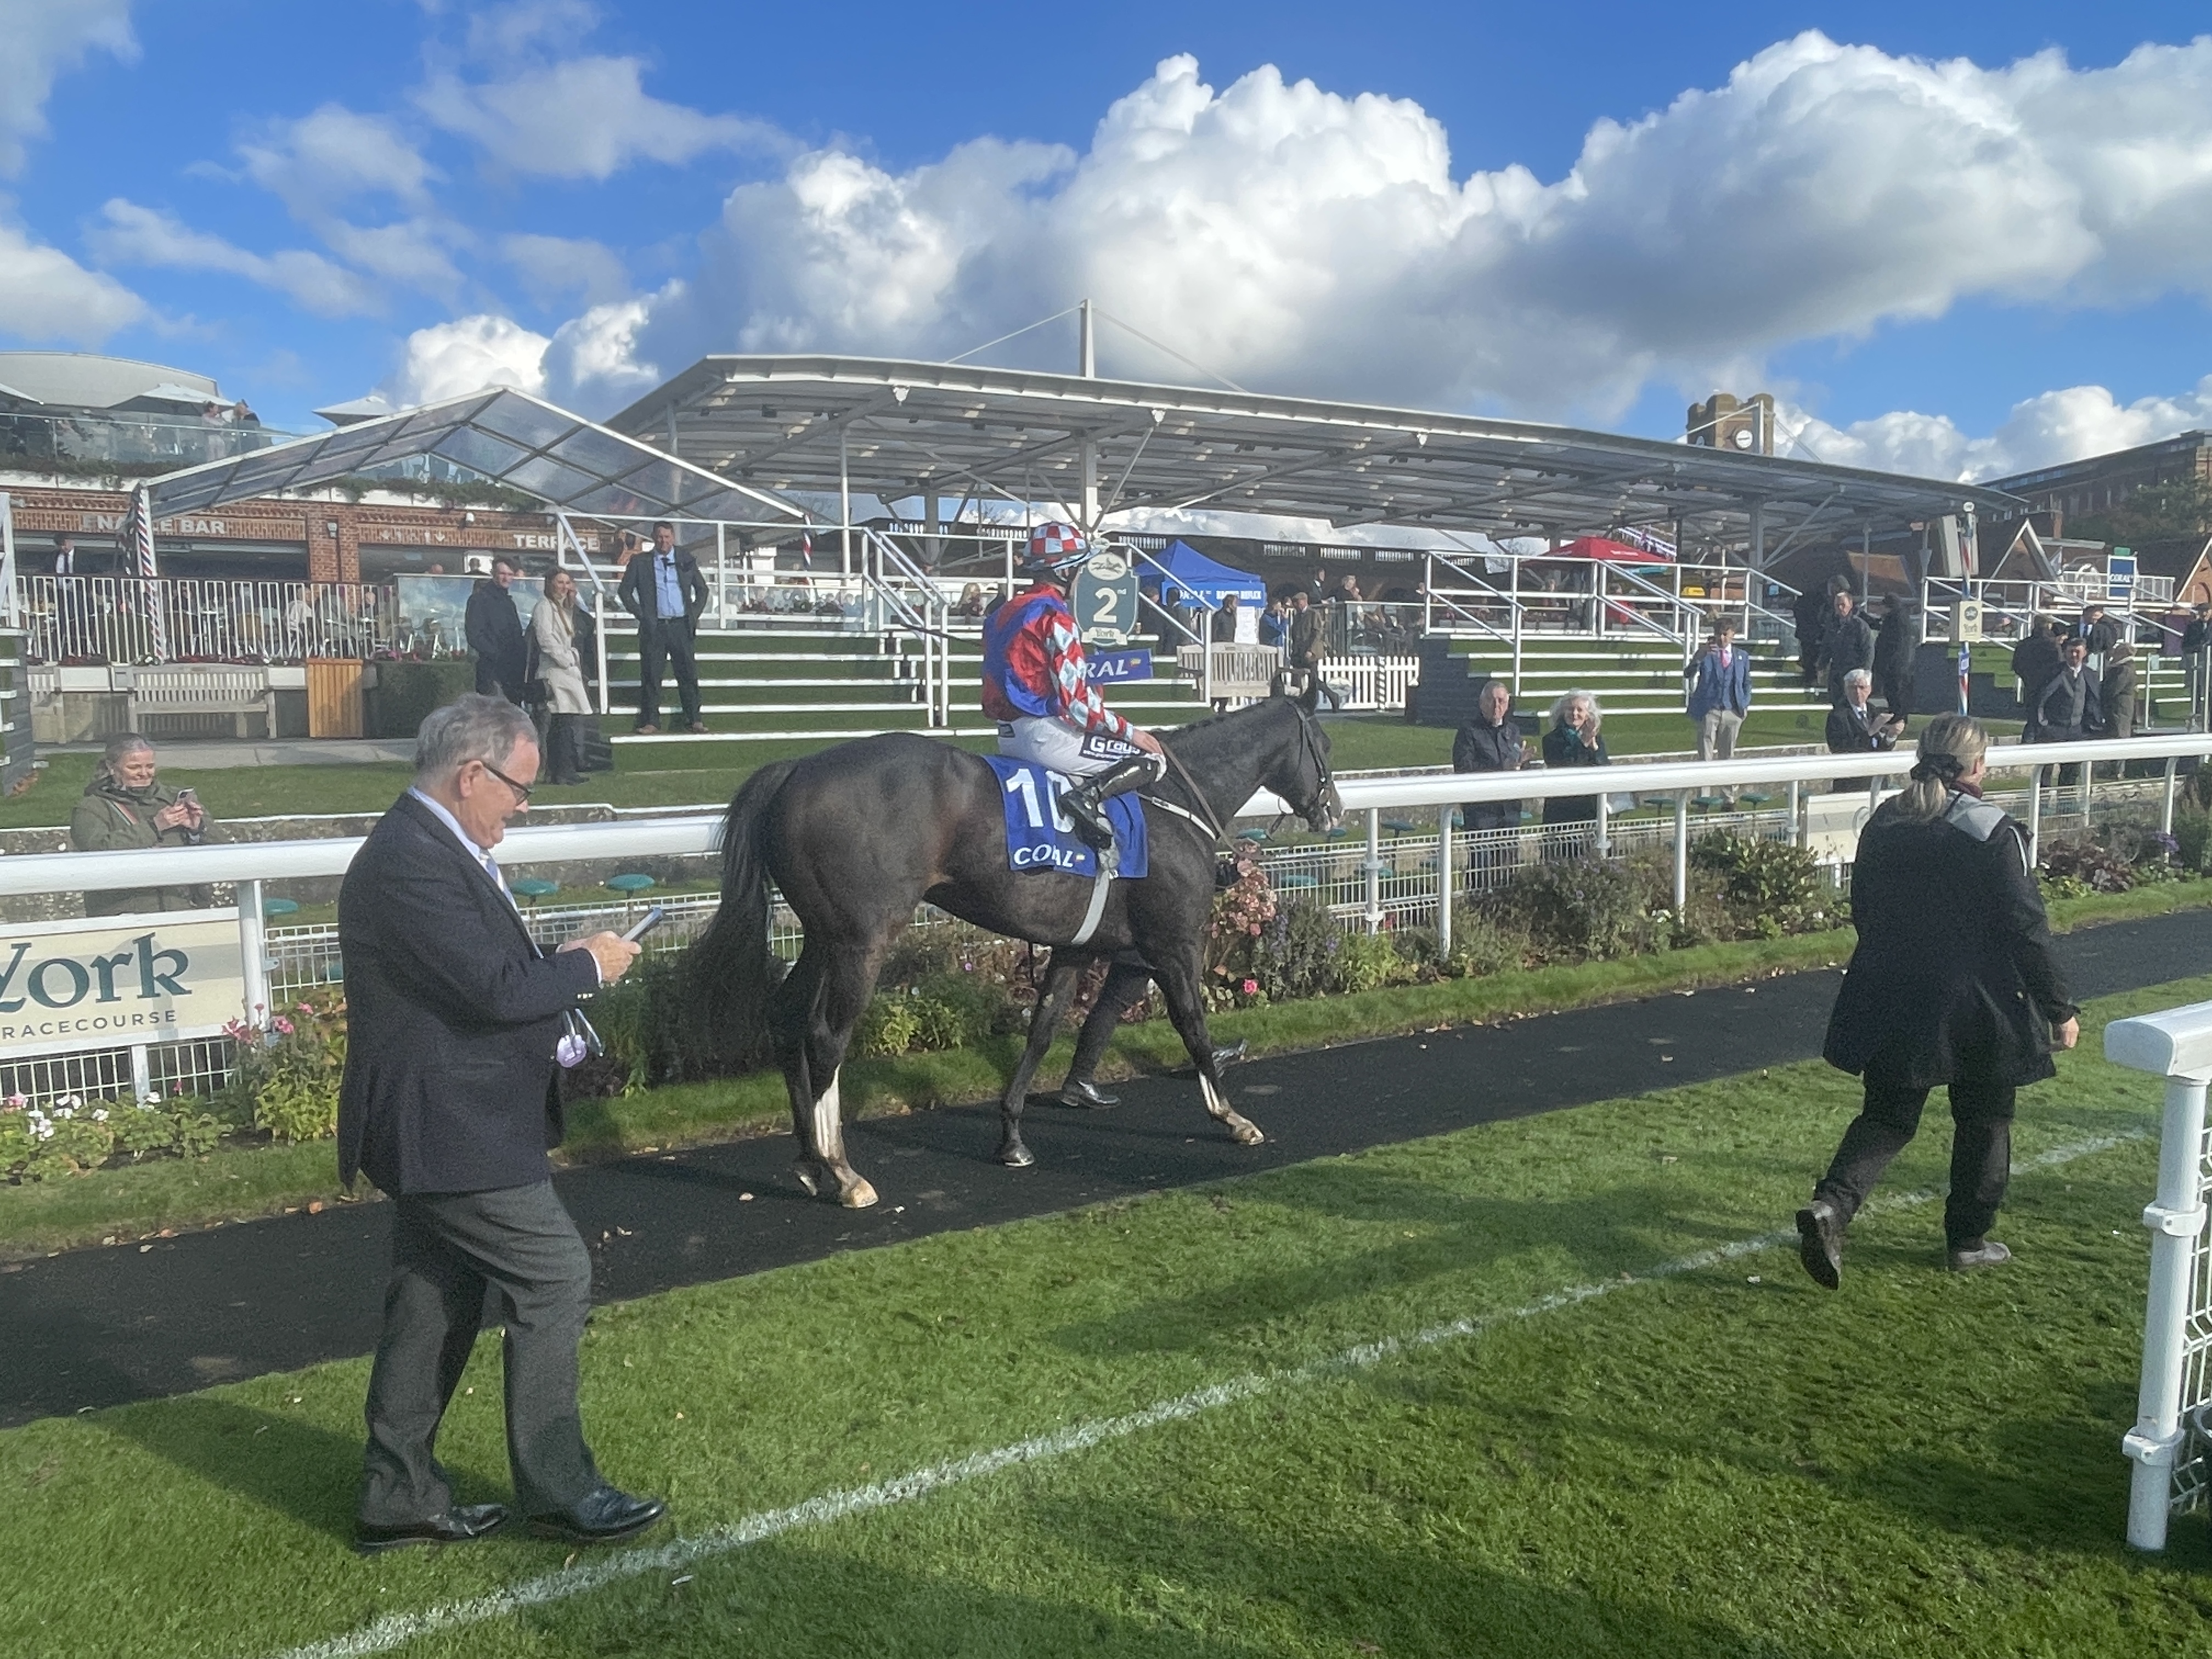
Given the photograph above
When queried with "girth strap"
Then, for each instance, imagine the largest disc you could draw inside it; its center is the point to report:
(1107, 860)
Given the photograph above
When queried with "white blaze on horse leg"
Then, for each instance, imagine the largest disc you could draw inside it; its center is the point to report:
(1215, 1102)
(828, 1136)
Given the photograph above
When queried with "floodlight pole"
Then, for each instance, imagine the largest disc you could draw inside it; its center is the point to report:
(844, 507)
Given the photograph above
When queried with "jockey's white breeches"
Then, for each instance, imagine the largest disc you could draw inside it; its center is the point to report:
(1059, 747)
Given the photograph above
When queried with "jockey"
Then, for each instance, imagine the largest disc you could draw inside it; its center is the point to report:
(1036, 686)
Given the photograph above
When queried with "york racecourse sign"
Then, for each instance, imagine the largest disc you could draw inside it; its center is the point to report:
(104, 983)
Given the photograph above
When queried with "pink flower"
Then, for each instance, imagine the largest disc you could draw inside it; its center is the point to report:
(283, 1025)
(1251, 987)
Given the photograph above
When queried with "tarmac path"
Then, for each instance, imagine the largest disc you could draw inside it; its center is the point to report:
(101, 1326)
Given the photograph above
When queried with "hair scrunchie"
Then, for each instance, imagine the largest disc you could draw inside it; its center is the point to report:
(1945, 768)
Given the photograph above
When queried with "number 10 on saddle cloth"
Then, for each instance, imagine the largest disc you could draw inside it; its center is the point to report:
(1040, 837)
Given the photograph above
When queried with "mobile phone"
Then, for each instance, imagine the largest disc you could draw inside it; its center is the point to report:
(646, 923)
(189, 794)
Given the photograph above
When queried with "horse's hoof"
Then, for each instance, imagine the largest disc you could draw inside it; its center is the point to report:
(1247, 1135)
(1015, 1155)
(859, 1195)
(804, 1175)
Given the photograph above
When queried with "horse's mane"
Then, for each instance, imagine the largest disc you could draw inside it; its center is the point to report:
(1195, 740)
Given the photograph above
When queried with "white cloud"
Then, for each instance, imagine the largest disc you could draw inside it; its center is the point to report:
(44, 38)
(1304, 240)
(409, 252)
(132, 235)
(592, 360)
(2045, 430)
(553, 267)
(451, 360)
(46, 297)
(582, 117)
(317, 163)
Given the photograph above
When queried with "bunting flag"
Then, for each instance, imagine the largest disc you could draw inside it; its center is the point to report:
(806, 549)
(149, 568)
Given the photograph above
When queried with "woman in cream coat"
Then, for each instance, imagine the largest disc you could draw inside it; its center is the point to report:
(560, 635)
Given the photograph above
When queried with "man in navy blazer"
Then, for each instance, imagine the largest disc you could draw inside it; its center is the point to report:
(1720, 694)
(449, 1103)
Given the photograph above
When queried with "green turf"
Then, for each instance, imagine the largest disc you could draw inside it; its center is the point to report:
(1725, 1463)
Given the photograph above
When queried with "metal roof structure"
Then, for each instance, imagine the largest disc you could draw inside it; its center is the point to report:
(508, 437)
(897, 429)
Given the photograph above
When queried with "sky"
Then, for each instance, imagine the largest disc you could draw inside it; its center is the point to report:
(1957, 240)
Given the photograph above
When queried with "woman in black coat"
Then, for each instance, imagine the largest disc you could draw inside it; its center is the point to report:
(1575, 739)
(1488, 741)
(1953, 981)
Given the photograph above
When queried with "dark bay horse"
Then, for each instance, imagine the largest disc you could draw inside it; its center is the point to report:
(856, 836)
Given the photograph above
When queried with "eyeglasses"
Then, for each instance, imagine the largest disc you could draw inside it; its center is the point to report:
(522, 790)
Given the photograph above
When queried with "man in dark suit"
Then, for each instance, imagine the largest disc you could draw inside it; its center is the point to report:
(665, 593)
(448, 1104)
(494, 630)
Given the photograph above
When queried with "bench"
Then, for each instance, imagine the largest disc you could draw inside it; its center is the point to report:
(198, 690)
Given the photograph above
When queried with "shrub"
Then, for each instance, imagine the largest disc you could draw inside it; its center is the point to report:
(287, 1070)
(1365, 962)
(1769, 888)
(2081, 865)
(887, 1026)
(1581, 908)
(1295, 952)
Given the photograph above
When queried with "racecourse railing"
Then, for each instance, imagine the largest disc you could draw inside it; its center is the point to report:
(132, 619)
(2171, 1444)
(1367, 878)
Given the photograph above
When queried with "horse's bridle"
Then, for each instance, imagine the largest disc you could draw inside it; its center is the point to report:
(1325, 801)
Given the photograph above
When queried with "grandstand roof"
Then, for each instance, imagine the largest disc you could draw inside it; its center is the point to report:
(506, 436)
(911, 428)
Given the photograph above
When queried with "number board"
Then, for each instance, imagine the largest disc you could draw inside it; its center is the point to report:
(1105, 598)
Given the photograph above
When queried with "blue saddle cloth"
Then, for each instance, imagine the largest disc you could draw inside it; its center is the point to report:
(1039, 836)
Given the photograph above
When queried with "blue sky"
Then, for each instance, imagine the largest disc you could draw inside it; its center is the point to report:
(311, 201)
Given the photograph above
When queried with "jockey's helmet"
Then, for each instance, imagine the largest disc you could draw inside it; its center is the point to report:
(1055, 549)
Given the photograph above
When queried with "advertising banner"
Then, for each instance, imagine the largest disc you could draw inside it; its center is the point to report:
(112, 982)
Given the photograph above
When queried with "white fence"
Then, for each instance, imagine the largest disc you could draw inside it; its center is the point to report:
(2172, 1438)
(130, 619)
(1367, 878)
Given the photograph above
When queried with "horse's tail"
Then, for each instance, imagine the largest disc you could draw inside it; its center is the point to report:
(730, 968)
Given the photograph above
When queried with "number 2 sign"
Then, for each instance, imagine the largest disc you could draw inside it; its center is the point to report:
(1105, 598)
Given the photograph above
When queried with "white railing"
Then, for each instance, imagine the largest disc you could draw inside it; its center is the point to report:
(2009, 608)
(1573, 597)
(2168, 1443)
(130, 619)
(250, 865)
(1363, 683)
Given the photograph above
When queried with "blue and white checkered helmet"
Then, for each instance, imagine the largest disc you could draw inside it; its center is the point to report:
(1055, 549)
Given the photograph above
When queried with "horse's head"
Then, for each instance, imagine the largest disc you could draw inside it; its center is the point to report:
(1300, 773)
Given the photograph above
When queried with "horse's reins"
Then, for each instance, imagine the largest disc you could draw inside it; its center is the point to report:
(1210, 825)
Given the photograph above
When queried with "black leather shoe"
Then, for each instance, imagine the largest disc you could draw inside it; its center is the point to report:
(1820, 1241)
(1985, 1253)
(1087, 1093)
(605, 1515)
(456, 1525)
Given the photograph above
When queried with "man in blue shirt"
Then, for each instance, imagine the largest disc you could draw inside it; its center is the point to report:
(665, 593)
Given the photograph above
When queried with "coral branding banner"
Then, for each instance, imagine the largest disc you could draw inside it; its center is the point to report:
(111, 981)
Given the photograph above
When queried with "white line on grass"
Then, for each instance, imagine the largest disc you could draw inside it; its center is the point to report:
(394, 1629)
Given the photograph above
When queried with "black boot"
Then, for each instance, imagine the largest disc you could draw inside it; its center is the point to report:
(1085, 801)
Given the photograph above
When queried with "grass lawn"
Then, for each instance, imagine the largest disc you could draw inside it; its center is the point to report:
(1613, 1452)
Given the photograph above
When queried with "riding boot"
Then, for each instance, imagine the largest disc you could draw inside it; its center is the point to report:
(1085, 801)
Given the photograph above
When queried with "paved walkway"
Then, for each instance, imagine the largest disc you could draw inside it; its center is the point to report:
(101, 1326)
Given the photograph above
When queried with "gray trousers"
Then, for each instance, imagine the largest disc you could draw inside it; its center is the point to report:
(448, 1249)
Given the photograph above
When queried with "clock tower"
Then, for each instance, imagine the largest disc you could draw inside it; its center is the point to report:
(1744, 427)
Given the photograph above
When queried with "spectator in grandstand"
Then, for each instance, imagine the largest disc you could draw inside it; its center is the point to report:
(626, 544)
(1894, 647)
(1322, 587)
(1224, 621)
(1274, 626)
(665, 593)
(1809, 615)
(1847, 644)
(2195, 647)
(123, 806)
(2117, 692)
(1309, 638)
(1154, 619)
(2071, 706)
(65, 556)
(1953, 981)
(1489, 740)
(493, 627)
(2035, 659)
(563, 640)
(1575, 739)
(240, 415)
(969, 605)
(2098, 629)
(457, 1019)
(1720, 694)
(1856, 729)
